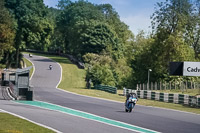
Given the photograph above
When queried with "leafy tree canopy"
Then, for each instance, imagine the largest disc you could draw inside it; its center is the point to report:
(7, 33)
(33, 28)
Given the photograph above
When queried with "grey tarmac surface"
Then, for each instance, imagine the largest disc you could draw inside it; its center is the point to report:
(59, 121)
(162, 120)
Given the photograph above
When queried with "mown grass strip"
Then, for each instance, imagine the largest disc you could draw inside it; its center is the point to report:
(13, 124)
(28, 63)
(191, 92)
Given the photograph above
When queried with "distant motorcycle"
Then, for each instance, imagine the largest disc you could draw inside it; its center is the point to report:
(30, 55)
(50, 67)
(130, 102)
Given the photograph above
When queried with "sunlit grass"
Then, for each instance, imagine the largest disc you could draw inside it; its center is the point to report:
(191, 92)
(28, 63)
(13, 124)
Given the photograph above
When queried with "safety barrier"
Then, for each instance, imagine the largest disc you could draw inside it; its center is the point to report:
(106, 88)
(193, 101)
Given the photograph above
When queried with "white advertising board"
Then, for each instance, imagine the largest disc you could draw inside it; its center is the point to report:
(191, 69)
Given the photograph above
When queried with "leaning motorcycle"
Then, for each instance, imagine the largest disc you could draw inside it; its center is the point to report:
(130, 104)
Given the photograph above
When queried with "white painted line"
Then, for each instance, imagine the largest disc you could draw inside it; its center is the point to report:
(7, 91)
(169, 109)
(33, 68)
(31, 121)
(60, 74)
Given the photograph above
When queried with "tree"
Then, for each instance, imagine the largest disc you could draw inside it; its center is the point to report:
(74, 20)
(99, 69)
(167, 43)
(33, 29)
(102, 69)
(7, 34)
(96, 32)
(113, 19)
(62, 4)
(98, 37)
(141, 58)
(96, 27)
(57, 39)
(173, 23)
(171, 16)
(193, 29)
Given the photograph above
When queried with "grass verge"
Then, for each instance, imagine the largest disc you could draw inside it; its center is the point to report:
(28, 63)
(13, 124)
(73, 80)
(191, 92)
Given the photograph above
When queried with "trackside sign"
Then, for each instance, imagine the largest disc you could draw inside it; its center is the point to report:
(191, 69)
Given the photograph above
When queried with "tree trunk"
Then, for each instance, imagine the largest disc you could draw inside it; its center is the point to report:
(17, 58)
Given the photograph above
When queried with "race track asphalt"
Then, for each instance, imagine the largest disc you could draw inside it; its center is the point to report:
(45, 82)
(59, 121)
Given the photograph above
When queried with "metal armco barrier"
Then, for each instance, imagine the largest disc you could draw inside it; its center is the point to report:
(106, 88)
(193, 101)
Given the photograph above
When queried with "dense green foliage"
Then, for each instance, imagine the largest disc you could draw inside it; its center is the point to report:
(172, 39)
(7, 34)
(95, 35)
(102, 69)
(33, 28)
(86, 28)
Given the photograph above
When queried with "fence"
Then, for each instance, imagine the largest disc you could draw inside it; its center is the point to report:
(106, 88)
(168, 85)
(193, 101)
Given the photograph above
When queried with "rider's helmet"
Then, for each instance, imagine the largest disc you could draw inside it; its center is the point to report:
(134, 95)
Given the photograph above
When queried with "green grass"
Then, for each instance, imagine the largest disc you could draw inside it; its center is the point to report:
(13, 124)
(73, 80)
(191, 92)
(28, 63)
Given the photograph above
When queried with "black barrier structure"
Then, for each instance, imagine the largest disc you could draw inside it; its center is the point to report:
(18, 82)
(176, 68)
(106, 88)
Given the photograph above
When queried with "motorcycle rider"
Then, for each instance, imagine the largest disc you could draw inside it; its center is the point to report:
(134, 95)
(30, 55)
(50, 67)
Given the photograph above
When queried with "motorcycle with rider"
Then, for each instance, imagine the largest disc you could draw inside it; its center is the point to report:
(131, 100)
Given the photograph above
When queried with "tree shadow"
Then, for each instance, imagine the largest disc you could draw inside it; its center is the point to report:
(43, 60)
(121, 111)
(65, 61)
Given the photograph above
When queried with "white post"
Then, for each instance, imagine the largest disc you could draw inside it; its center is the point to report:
(149, 70)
